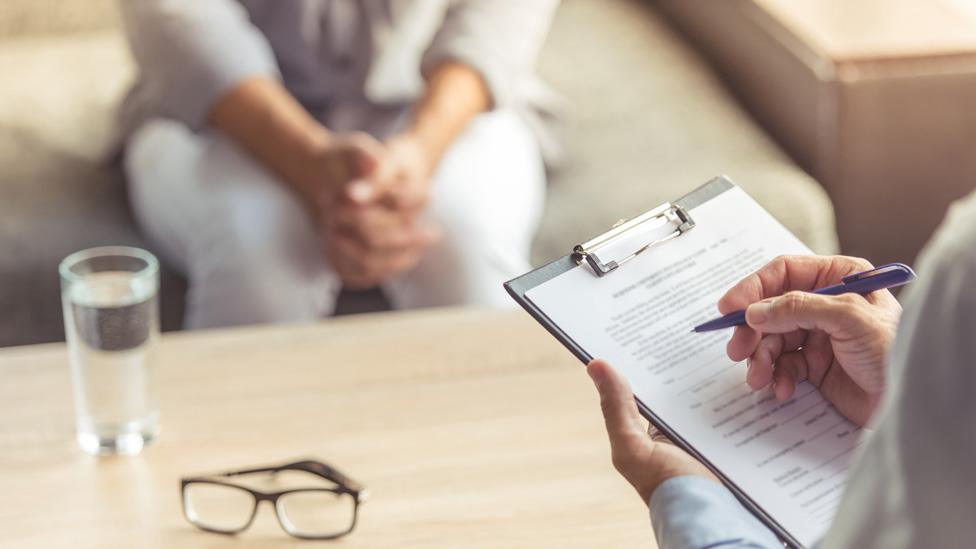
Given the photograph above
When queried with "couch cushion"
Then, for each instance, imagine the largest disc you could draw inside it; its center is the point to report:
(60, 192)
(20, 18)
(650, 122)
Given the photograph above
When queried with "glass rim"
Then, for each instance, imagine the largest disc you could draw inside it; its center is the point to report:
(65, 267)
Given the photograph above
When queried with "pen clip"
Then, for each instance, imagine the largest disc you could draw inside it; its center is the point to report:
(905, 272)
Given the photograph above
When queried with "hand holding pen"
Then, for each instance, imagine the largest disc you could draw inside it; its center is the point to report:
(838, 341)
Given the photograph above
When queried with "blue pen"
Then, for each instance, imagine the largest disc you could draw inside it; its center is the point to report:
(880, 278)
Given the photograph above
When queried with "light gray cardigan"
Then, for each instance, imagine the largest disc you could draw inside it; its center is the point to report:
(329, 53)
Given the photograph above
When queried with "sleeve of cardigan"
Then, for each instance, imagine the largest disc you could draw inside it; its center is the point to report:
(500, 39)
(191, 52)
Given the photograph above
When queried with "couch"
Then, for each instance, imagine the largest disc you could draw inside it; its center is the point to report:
(647, 120)
(875, 99)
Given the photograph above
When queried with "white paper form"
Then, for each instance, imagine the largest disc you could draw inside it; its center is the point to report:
(790, 458)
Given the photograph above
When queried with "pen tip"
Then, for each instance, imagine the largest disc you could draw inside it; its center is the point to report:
(692, 330)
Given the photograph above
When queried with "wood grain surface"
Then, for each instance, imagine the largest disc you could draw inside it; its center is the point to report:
(469, 428)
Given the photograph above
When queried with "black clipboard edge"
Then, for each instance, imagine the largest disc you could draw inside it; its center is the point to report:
(518, 287)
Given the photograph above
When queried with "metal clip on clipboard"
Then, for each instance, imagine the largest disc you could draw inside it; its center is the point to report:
(664, 214)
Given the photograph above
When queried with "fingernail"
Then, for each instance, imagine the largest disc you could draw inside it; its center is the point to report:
(758, 312)
(591, 371)
(748, 363)
(360, 190)
(593, 377)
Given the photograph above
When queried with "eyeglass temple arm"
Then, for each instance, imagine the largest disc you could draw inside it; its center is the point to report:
(309, 466)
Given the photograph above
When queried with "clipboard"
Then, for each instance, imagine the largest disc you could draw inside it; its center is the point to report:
(680, 215)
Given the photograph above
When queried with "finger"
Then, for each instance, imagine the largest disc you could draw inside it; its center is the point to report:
(392, 241)
(366, 163)
(788, 273)
(819, 355)
(791, 369)
(763, 362)
(399, 263)
(617, 403)
(371, 216)
(760, 371)
(884, 298)
(743, 343)
(341, 255)
(385, 266)
(834, 315)
(367, 268)
(379, 229)
(349, 158)
(360, 191)
(409, 195)
(746, 291)
(362, 273)
(350, 274)
(367, 154)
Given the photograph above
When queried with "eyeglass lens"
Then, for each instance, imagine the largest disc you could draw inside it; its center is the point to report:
(316, 513)
(218, 507)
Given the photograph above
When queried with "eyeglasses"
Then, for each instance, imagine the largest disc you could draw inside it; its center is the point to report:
(223, 507)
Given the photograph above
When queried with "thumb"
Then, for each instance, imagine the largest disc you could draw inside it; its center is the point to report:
(366, 164)
(617, 402)
(361, 191)
(804, 311)
(374, 184)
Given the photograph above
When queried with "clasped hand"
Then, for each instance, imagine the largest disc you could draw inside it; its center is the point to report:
(839, 344)
(367, 198)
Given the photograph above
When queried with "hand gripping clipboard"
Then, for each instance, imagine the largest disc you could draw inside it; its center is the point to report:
(679, 214)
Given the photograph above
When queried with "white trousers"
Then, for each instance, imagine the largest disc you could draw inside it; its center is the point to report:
(251, 253)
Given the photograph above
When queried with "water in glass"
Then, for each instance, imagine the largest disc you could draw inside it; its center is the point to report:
(111, 320)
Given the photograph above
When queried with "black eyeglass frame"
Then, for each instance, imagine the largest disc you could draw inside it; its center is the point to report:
(344, 486)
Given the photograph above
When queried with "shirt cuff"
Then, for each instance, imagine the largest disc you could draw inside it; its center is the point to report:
(689, 511)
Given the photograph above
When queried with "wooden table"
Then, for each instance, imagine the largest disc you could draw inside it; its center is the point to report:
(470, 429)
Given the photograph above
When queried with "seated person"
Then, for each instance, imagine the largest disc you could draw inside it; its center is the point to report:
(914, 485)
(279, 150)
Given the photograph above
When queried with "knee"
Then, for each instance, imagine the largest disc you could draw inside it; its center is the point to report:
(257, 239)
(257, 297)
(485, 229)
(490, 185)
(249, 278)
(152, 147)
(256, 236)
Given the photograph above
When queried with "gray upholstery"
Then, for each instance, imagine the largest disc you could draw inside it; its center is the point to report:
(648, 121)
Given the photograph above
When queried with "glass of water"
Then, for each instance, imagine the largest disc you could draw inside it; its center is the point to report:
(111, 319)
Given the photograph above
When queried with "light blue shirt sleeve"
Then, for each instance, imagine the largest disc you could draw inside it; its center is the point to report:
(696, 513)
